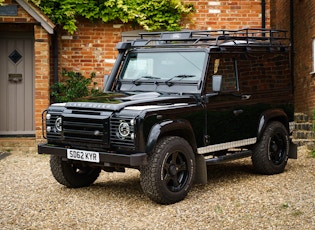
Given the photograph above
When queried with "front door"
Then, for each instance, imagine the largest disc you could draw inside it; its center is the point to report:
(17, 84)
(228, 118)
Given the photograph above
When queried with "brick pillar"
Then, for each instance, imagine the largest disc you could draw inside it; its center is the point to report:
(42, 73)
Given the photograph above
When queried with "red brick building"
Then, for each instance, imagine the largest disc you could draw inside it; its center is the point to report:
(298, 18)
(90, 49)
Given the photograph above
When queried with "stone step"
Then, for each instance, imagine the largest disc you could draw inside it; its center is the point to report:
(18, 145)
(305, 142)
(302, 134)
(307, 126)
(303, 130)
(301, 118)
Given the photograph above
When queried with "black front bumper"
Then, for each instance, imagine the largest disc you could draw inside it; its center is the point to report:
(133, 160)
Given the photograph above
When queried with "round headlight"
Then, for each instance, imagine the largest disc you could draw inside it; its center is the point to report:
(48, 116)
(58, 124)
(124, 129)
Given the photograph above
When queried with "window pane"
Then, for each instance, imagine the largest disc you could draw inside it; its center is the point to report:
(165, 65)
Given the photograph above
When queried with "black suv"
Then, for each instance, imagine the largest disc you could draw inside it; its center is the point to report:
(174, 103)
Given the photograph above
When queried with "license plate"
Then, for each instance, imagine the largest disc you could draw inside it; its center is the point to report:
(82, 155)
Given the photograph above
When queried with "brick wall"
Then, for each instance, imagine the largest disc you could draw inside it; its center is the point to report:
(90, 49)
(280, 14)
(227, 14)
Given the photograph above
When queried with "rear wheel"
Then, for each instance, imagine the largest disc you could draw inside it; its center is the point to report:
(169, 174)
(270, 154)
(72, 175)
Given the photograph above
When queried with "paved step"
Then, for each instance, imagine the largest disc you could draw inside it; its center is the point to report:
(18, 145)
(303, 133)
(310, 143)
(301, 117)
(307, 126)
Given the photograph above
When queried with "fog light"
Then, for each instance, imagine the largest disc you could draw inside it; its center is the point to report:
(48, 129)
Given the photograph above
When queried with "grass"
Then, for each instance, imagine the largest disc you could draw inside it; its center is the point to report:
(218, 209)
(297, 213)
(285, 206)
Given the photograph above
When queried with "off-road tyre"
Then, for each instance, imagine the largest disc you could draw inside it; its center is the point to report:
(72, 175)
(270, 154)
(169, 174)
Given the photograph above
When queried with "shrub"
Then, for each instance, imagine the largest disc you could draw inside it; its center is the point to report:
(74, 86)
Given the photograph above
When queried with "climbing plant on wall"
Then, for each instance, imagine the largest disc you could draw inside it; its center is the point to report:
(151, 15)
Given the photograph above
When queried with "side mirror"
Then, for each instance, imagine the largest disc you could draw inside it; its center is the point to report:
(216, 83)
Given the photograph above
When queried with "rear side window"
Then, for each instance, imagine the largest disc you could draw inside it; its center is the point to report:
(250, 72)
(225, 66)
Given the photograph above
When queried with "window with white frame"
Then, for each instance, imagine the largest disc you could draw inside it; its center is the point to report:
(313, 44)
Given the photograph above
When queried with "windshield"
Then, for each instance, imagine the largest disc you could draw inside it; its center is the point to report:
(164, 66)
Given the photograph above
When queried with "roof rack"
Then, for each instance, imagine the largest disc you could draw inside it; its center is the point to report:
(242, 37)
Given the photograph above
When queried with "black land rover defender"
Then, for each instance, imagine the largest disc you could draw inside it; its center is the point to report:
(174, 103)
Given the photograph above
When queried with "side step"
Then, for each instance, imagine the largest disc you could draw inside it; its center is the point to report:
(228, 157)
(202, 162)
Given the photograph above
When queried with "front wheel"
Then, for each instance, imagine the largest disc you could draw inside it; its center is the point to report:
(270, 154)
(72, 175)
(169, 174)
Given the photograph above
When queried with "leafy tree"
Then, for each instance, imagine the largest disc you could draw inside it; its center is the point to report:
(151, 15)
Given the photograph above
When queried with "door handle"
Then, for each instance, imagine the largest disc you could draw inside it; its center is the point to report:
(15, 80)
(238, 112)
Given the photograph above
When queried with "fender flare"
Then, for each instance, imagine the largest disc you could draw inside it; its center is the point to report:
(271, 115)
(180, 128)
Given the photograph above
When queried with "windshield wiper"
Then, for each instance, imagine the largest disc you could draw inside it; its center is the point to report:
(136, 81)
(182, 76)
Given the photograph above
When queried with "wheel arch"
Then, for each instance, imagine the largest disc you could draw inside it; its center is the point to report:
(269, 116)
(180, 128)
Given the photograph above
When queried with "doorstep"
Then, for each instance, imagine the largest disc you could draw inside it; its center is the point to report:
(18, 145)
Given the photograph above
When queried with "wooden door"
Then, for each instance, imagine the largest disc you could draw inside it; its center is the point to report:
(17, 84)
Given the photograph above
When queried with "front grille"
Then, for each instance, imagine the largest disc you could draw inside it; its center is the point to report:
(86, 128)
(116, 139)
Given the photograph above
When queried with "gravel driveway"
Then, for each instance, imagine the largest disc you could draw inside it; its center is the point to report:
(234, 198)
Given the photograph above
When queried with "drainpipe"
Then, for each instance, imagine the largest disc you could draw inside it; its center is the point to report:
(263, 14)
(55, 56)
(292, 42)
